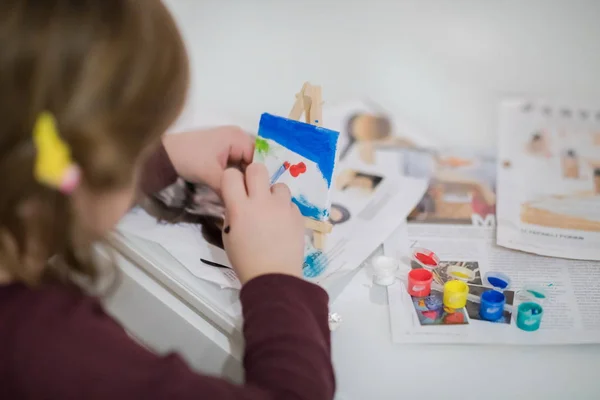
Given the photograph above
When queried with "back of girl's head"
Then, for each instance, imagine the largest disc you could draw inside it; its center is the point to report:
(114, 75)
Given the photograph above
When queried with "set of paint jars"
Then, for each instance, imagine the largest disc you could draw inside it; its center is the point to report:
(456, 291)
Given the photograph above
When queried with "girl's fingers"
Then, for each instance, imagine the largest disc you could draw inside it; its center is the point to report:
(241, 148)
(257, 180)
(233, 187)
(281, 190)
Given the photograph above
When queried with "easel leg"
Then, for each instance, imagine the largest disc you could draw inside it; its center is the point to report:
(319, 240)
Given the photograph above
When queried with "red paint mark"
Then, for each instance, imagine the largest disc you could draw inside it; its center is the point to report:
(297, 169)
(427, 259)
(286, 165)
(456, 318)
(430, 314)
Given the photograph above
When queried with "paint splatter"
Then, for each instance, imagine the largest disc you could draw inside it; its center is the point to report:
(537, 294)
(314, 264)
(310, 210)
(455, 318)
(297, 169)
(430, 314)
(262, 146)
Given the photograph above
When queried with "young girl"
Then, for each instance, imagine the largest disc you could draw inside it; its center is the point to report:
(87, 89)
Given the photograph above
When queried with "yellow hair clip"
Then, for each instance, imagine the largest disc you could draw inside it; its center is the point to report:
(54, 166)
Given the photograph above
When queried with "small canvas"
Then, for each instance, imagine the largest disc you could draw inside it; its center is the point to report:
(303, 157)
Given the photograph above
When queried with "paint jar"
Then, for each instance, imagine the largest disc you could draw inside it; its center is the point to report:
(455, 294)
(529, 316)
(491, 306)
(425, 258)
(384, 270)
(419, 282)
(460, 273)
(531, 309)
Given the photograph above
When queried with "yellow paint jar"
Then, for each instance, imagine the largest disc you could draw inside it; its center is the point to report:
(461, 273)
(455, 294)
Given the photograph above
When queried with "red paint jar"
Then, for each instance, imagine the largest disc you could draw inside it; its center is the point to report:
(419, 282)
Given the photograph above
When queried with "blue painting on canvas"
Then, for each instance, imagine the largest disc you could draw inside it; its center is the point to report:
(313, 142)
(303, 157)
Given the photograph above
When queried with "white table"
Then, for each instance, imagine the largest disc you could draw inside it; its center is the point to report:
(368, 365)
(444, 65)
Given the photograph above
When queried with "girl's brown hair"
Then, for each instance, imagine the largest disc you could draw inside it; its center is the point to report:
(114, 73)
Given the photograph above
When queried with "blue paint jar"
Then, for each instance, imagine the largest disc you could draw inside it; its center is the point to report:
(491, 306)
(529, 316)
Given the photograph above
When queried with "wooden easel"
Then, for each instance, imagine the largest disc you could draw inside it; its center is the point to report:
(309, 102)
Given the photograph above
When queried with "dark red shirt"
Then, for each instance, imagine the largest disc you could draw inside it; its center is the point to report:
(57, 343)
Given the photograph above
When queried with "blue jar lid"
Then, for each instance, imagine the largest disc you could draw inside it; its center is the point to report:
(497, 280)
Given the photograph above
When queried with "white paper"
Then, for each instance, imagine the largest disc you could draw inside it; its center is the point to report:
(571, 312)
(549, 201)
(184, 242)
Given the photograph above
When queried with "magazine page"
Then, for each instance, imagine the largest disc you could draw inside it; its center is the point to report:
(549, 179)
(462, 186)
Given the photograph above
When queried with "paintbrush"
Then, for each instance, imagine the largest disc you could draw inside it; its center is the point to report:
(214, 264)
(279, 172)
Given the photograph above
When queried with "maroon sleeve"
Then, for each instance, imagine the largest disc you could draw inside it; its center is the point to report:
(158, 172)
(64, 346)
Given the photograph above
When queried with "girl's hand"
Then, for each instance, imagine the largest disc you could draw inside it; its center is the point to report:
(202, 156)
(264, 230)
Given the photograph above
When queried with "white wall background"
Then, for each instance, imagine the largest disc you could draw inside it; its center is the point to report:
(442, 64)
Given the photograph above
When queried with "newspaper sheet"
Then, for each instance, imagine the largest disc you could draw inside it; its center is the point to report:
(549, 179)
(571, 311)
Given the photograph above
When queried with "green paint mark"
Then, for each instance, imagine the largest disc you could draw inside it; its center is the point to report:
(262, 146)
(537, 294)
